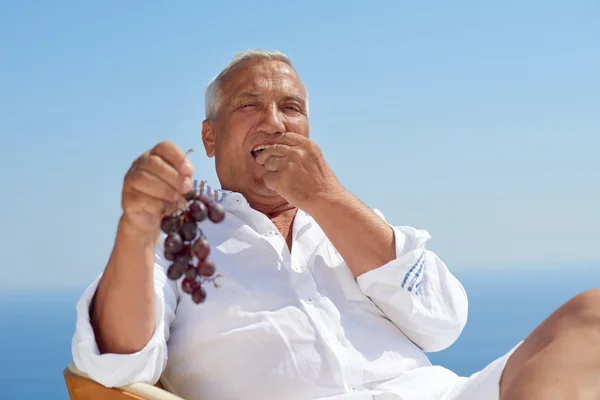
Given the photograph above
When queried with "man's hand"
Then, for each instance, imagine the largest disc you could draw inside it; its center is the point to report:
(297, 171)
(123, 311)
(154, 185)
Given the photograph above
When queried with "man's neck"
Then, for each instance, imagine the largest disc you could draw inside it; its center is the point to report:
(280, 212)
(284, 221)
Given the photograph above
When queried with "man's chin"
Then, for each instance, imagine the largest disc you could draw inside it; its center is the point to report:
(263, 190)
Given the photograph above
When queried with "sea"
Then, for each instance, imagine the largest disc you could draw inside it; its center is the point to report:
(36, 327)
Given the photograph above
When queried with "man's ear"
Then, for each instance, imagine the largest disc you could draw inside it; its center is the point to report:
(208, 138)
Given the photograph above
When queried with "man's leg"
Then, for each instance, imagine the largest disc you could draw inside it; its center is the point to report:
(561, 357)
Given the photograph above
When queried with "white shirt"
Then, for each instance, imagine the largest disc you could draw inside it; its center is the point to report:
(292, 325)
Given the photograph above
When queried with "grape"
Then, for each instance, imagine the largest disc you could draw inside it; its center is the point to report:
(189, 196)
(169, 255)
(201, 248)
(189, 285)
(204, 199)
(191, 272)
(170, 224)
(188, 231)
(207, 268)
(199, 295)
(216, 213)
(183, 261)
(198, 211)
(186, 246)
(175, 272)
(173, 243)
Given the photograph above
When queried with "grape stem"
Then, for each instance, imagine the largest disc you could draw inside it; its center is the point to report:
(212, 280)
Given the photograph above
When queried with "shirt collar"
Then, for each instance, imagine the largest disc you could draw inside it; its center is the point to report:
(217, 195)
(229, 199)
(226, 197)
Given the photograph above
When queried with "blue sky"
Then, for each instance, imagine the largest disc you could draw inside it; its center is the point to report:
(478, 122)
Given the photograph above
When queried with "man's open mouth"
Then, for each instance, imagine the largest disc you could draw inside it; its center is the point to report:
(258, 149)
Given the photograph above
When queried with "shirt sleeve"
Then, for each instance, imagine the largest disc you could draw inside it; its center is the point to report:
(146, 365)
(418, 293)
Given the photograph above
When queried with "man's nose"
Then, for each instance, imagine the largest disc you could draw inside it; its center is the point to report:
(271, 120)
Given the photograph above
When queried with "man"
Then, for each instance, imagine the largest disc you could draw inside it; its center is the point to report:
(320, 297)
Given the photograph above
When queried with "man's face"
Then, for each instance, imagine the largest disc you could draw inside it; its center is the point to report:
(261, 101)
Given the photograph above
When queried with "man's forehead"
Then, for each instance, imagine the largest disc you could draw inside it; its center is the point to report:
(259, 77)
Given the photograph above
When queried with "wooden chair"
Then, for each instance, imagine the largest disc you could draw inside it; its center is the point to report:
(81, 387)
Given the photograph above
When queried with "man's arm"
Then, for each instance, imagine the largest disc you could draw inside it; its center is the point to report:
(123, 318)
(363, 239)
(122, 339)
(123, 308)
(409, 283)
(122, 313)
(296, 169)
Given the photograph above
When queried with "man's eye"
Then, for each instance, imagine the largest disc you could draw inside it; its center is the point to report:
(293, 108)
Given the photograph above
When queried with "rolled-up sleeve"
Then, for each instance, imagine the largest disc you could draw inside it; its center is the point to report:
(418, 293)
(115, 370)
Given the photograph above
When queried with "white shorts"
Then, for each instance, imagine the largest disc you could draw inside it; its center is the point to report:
(482, 385)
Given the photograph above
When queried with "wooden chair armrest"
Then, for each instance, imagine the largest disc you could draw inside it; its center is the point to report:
(81, 387)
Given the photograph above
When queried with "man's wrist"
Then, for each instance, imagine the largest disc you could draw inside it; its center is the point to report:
(128, 232)
(323, 202)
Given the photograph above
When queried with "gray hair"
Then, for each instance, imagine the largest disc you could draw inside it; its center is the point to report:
(214, 94)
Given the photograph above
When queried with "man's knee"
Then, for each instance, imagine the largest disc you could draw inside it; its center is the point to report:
(572, 330)
(578, 316)
(583, 309)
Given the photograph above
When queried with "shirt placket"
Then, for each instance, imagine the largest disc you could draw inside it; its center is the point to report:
(347, 368)
(344, 367)
(304, 286)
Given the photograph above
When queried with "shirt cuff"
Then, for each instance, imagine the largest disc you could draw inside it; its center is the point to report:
(116, 370)
(407, 269)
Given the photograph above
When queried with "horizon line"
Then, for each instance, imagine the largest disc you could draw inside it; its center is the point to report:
(473, 269)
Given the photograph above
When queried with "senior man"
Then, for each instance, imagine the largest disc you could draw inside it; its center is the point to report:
(320, 297)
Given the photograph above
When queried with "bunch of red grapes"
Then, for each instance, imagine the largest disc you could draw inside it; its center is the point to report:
(187, 247)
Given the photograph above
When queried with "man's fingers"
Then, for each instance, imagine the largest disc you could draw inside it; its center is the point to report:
(135, 202)
(289, 143)
(158, 167)
(277, 150)
(155, 184)
(292, 139)
(270, 179)
(145, 182)
(174, 156)
(274, 164)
